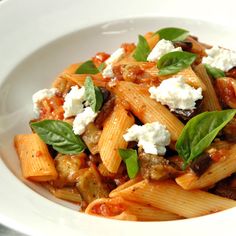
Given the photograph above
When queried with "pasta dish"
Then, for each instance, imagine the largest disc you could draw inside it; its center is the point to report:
(147, 133)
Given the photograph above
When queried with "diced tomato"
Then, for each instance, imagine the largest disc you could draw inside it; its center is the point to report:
(99, 58)
(226, 88)
(128, 47)
(106, 209)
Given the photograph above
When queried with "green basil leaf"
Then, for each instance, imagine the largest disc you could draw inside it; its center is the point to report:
(173, 34)
(214, 72)
(200, 131)
(142, 50)
(130, 157)
(101, 67)
(93, 95)
(174, 62)
(87, 68)
(60, 135)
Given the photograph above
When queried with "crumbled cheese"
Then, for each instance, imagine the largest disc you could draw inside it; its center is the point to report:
(115, 56)
(40, 95)
(83, 119)
(220, 58)
(108, 72)
(162, 47)
(74, 101)
(176, 94)
(152, 137)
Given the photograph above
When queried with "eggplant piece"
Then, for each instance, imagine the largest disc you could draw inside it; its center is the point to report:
(186, 115)
(201, 164)
(105, 112)
(185, 45)
(90, 185)
(231, 73)
(155, 167)
(105, 93)
(224, 188)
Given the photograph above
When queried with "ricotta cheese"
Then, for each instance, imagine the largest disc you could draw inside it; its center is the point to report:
(83, 119)
(162, 47)
(40, 95)
(152, 137)
(74, 100)
(176, 94)
(220, 58)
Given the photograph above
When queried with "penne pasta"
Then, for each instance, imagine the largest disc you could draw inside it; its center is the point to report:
(168, 196)
(79, 79)
(145, 108)
(36, 162)
(152, 39)
(115, 207)
(210, 100)
(112, 137)
(216, 172)
(115, 192)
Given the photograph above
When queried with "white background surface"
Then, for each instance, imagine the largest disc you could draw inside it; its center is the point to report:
(25, 26)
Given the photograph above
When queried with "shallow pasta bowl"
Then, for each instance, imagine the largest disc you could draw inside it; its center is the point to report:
(32, 53)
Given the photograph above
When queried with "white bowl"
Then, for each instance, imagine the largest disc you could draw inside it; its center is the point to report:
(34, 48)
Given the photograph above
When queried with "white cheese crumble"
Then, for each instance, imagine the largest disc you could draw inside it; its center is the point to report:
(83, 119)
(108, 72)
(176, 94)
(115, 57)
(220, 58)
(74, 101)
(162, 47)
(40, 95)
(152, 137)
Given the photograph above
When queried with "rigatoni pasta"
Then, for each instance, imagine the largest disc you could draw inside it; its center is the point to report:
(146, 133)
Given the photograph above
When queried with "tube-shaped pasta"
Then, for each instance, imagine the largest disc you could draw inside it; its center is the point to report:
(168, 196)
(210, 100)
(80, 78)
(216, 172)
(36, 162)
(127, 184)
(114, 207)
(145, 108)
(152, 39)
(112, 137)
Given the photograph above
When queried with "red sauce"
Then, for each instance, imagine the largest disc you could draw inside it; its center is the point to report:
(128, 47)
(218, 155)
(106, 209)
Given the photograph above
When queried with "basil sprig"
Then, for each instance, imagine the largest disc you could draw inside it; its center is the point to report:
(130, 157)
(173, 34)
(60, 135)
(199, 133)
(101, 67)
(174, 62)
(142, 50)
(93, 95)
(87, 67)
(214, 72)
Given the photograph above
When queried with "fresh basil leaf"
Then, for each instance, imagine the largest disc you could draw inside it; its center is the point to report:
(87, 68)
(93, 95)
(174, 62)
(173, 34)
(199, 133)
(142, 50)
(130, 157)
(60, 135)
(214, 72)
(101, 67)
